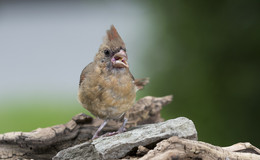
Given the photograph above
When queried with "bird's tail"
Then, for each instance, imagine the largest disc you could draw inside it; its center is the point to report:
(140, 83)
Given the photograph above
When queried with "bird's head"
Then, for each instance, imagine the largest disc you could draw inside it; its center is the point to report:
(112, 52)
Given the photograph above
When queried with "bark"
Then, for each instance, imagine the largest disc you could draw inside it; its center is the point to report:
(182, 149)
(44, 143)
(120, 145)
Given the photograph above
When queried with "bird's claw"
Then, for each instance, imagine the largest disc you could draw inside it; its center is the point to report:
(114, 133)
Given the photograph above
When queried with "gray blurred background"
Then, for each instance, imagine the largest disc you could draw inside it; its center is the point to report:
(205, 53)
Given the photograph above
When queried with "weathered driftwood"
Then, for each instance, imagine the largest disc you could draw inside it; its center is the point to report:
(44, 143)
(179, 148)
(120, 145)
(160, 141)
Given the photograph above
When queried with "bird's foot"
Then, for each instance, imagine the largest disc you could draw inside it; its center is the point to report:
(108, 134)
(114, 133)
(120, 130)
(95, 137)
(99, 129)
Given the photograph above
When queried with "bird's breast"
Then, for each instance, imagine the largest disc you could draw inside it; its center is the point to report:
(109, 95)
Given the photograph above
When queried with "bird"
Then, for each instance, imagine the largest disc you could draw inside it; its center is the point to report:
(107, 89)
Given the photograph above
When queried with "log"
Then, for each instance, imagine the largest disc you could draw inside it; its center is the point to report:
(148, 138)
(173, 139)
(44, 143)
(121, 145)
(182, 149)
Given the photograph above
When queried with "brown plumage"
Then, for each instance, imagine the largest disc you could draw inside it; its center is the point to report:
(107, 88)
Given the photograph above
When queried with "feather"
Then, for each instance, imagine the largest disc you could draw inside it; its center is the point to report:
(113, 39)
(140, 83)
(113, 34)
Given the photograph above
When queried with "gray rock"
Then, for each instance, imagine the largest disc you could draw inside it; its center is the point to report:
(84, 151)
(119, 145)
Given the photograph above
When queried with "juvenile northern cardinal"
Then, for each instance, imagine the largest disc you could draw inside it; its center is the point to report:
(107, 88)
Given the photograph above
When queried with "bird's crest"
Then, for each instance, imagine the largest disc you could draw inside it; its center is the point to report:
(113, 38)
(112, 34)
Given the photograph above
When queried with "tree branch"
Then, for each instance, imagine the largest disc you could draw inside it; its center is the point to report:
(179, 148)
(44, 143)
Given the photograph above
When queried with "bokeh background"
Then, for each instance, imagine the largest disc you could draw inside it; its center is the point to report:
(205, 53)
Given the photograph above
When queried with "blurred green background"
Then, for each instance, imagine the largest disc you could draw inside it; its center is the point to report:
(205, 53)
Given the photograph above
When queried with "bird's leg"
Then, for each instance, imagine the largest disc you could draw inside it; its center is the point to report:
(99, 129)
(122, 128)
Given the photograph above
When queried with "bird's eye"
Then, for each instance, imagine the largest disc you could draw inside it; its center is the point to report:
(106, 52)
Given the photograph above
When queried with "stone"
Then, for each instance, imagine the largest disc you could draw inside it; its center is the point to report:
(84, 151)
(118, 146)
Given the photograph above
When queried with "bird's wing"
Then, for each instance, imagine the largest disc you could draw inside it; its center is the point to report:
(140, 83)
(85, 71)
